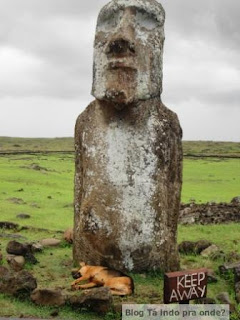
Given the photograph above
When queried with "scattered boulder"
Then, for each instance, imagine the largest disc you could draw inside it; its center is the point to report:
(21, 249)
(210, 213)
(12, 236)
(97, 299)
(47, 297)
(208, 252)
(202, 245)
(35, 166)
(35, 205)
(191, 247)
(50, 242)
(68, 235)
(8, 225)
(206, 301)
(37, 247)
(19, 284)
(69, 205)
(186, 247)
(237, 283)
(16, 248)
(232, 256)
(236, 200)
(16, 263)
(16, 200)
(54, 313)
(23, 216)
(237, 274)
(229, 267)
(30, 257)
(211, 276)
(223, 298)
(237, 292)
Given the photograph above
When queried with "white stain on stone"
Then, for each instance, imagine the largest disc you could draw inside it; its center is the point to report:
(130, 167)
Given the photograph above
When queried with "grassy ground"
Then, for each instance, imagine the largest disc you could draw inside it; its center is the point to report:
(42, 186)
(53, 271)
(36, 144)
(210, 179)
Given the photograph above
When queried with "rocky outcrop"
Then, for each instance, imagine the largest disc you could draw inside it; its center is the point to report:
(21, 249)
(20, 283)
(48, 297)
(50, 242)
(96, 299)
(210, 212)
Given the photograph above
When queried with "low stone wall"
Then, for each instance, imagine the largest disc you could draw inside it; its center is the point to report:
(210, 212)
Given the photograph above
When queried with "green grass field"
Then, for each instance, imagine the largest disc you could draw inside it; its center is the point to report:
(42, 185)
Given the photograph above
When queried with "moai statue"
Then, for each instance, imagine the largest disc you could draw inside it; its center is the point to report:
(128, 148)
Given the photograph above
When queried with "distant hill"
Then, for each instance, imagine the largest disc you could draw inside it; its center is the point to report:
(190, 148)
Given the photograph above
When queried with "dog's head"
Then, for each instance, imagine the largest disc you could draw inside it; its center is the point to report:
(77, 273)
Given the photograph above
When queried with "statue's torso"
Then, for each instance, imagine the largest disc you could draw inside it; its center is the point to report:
(125, 158)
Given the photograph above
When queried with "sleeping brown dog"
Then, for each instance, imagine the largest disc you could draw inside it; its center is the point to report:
(119, 283)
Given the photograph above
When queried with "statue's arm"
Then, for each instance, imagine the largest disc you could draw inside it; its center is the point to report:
(78, 168)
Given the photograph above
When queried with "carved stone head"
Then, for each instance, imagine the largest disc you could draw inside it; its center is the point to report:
(128, 51)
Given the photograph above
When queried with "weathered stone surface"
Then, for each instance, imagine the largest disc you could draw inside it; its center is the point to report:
(37, 247)
(16, 263)
(8, 225)
(236, 200)
(193, 247)
(211, 276)
(205, 301)
(96, 299)
(211, 250)
(224, 298)
(202, 245)
(187, 247)
(229, 267)
(68, 235)
(237, 291)
(50, 242)
(21, 249)
(128, 148)
(210, 213)
(23, 216)
(16, 283)
(47, 297)
(237, 273)
(17, 248)
(128, 51)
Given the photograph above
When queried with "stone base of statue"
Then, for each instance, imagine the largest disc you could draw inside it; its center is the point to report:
(127, 186)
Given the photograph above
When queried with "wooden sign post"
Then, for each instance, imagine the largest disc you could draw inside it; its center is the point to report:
(182, 286)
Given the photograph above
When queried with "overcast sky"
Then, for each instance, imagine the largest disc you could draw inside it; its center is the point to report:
(46, 49)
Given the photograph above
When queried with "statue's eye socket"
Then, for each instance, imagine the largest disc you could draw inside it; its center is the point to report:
(146, 20)
(109, 20)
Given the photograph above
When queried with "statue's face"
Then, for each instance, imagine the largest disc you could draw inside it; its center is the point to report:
(128, 51)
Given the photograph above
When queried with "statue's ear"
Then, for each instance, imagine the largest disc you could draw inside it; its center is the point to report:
(82, 264)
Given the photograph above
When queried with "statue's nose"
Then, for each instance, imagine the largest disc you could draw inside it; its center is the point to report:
(120, 46)
(122, 41)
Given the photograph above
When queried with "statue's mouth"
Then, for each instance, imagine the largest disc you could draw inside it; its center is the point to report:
(125, 63)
